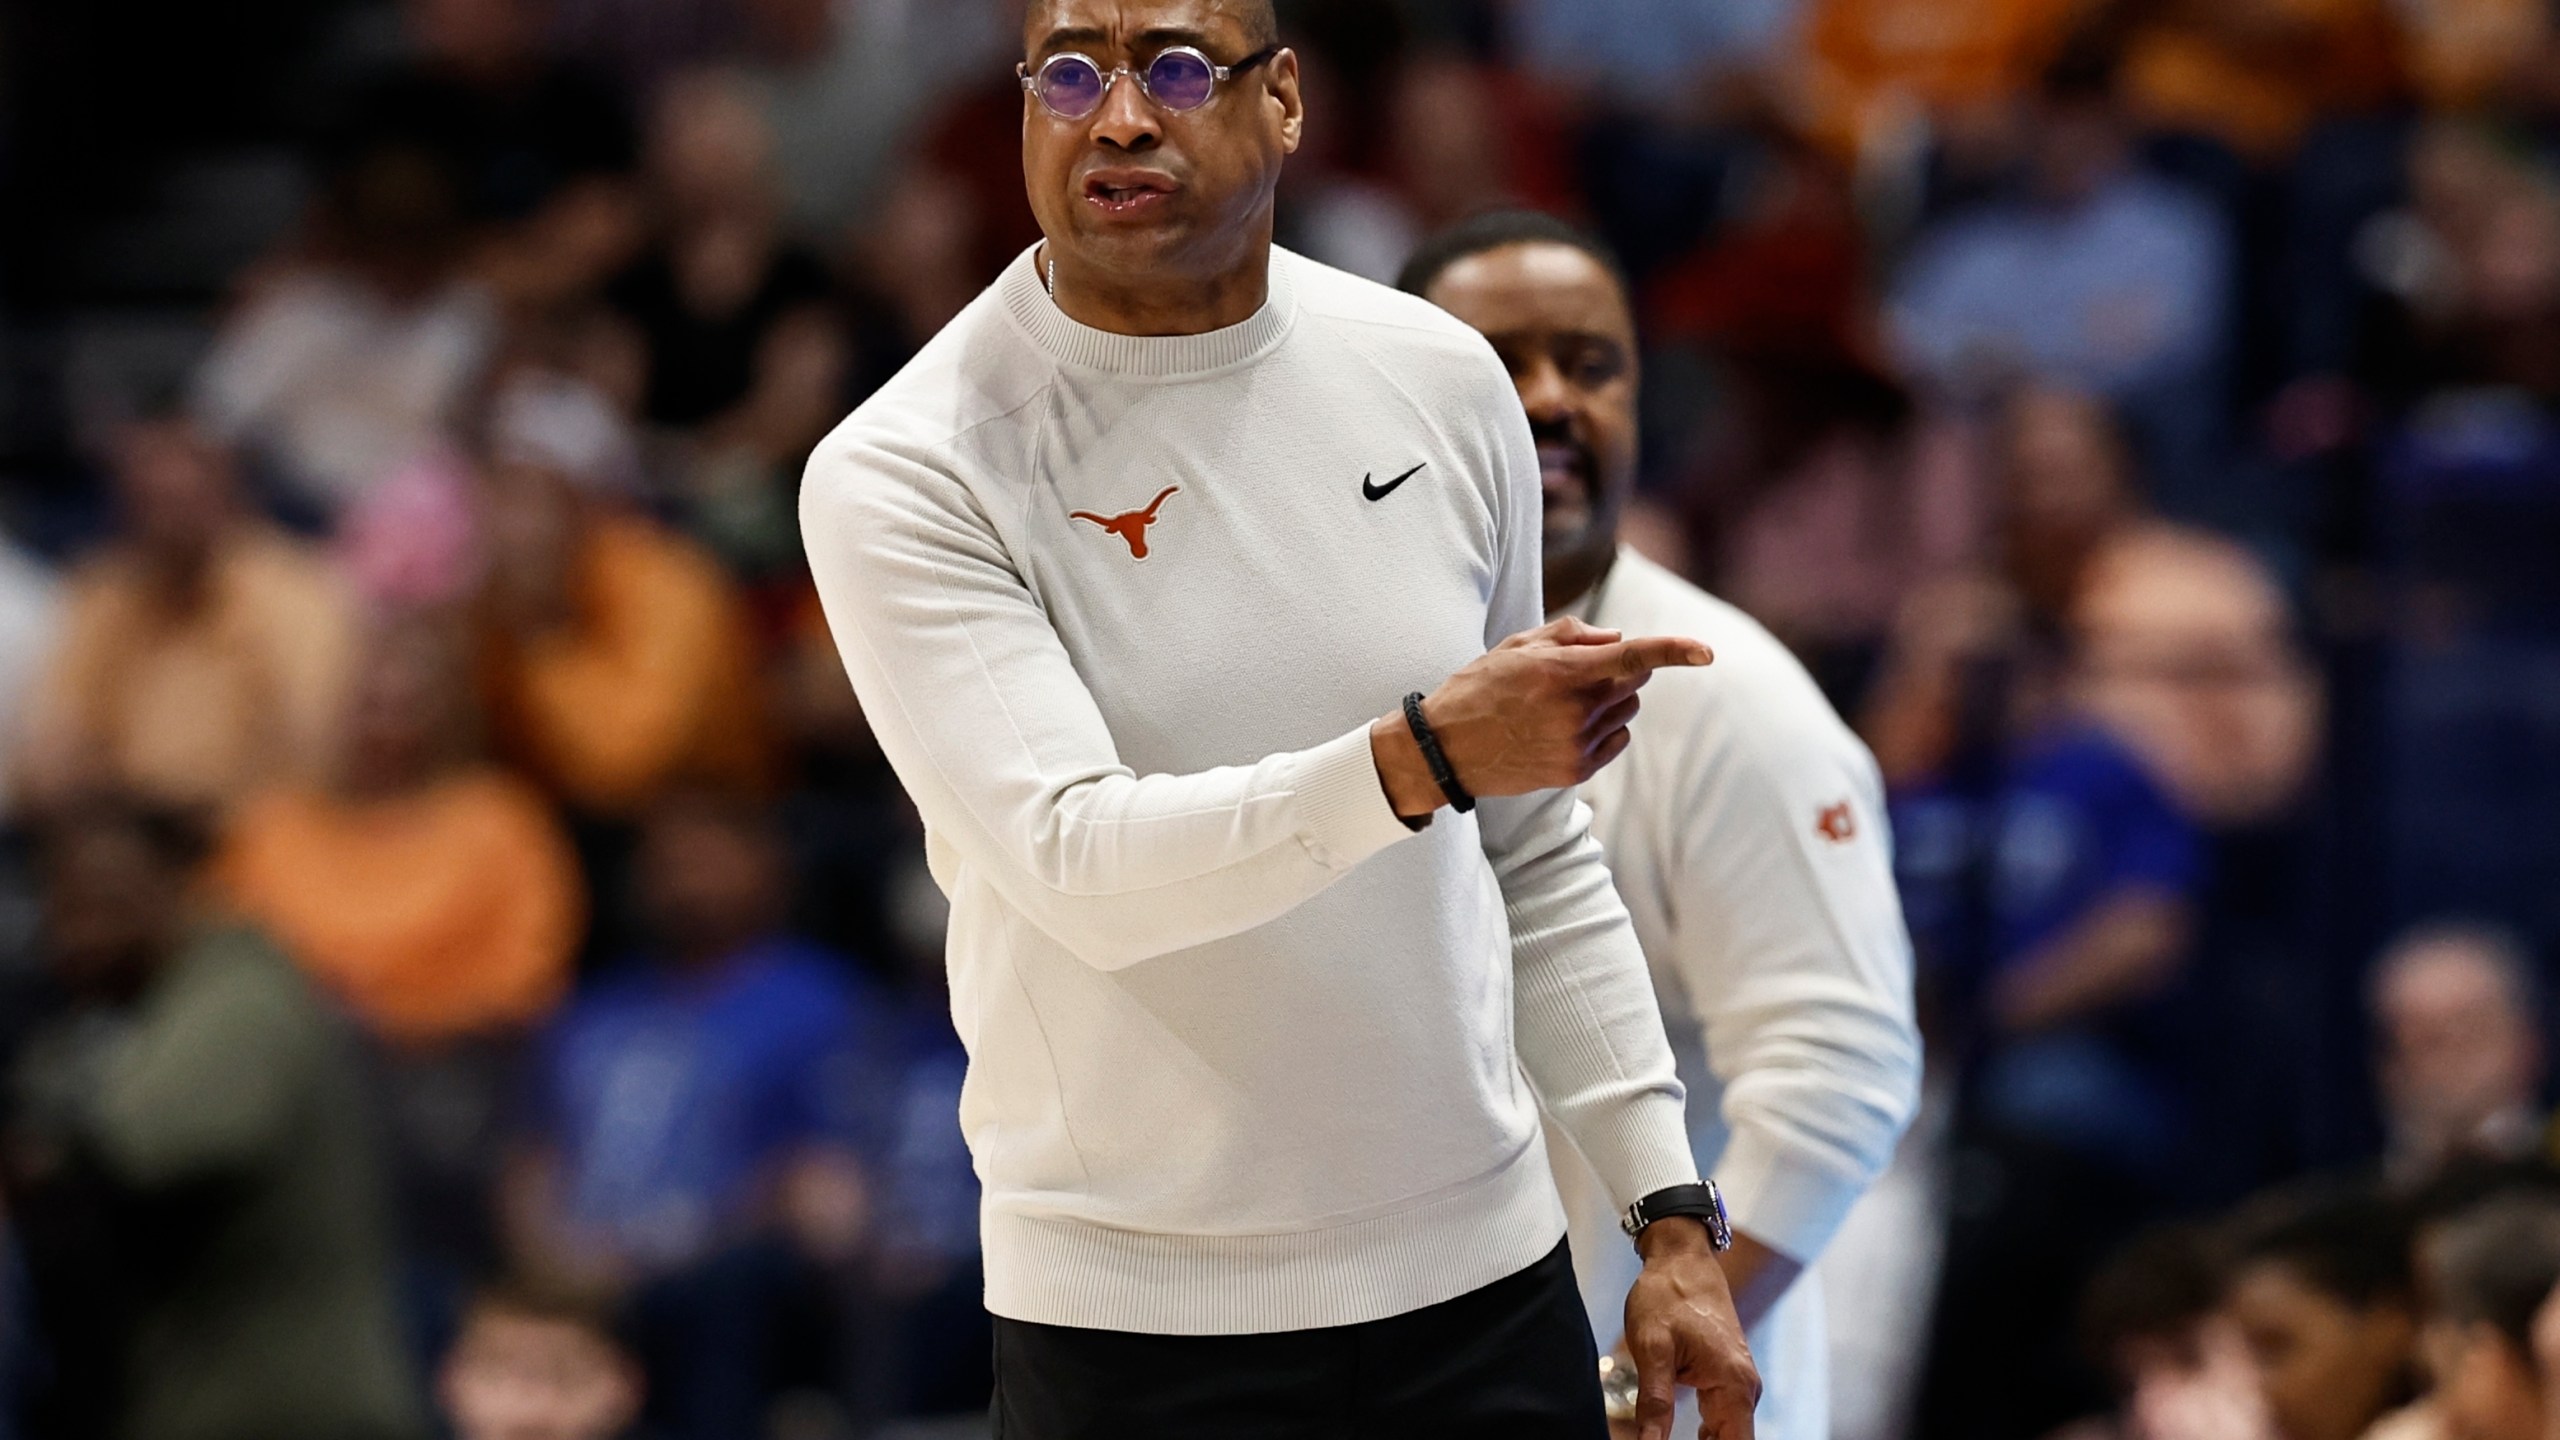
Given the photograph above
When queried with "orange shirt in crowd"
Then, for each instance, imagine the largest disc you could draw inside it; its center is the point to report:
(2459, 52)
(2254, 74)
(1873, 64)
(204, 708)
(449, 911)
(654, 682)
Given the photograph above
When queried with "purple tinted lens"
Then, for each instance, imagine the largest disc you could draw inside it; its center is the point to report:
(1070, 85)
(1180, 80)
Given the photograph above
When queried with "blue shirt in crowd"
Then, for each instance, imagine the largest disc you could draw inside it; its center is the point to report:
(669, 1093)
(1989, 880)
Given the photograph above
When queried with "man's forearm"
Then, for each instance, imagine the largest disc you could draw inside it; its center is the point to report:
(1758, 1274)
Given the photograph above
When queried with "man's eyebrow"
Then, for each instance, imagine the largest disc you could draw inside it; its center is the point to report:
(1161, 36)
(1148, 41)
(1070, 35)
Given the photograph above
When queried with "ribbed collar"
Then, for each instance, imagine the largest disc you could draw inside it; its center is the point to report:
(1157, 357)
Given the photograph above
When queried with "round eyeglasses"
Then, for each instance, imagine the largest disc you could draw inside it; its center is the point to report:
(1181, 79)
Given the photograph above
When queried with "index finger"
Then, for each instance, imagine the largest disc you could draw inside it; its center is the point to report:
(1643, 656)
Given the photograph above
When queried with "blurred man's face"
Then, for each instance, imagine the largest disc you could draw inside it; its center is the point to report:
(525, 1377)
(405, 695)
(108, 905)
(2326, 1369)
(2484, 1386)
(1560, 323)
(2457, 1047)
(710, 883)
(177, 489)
(1138, 190)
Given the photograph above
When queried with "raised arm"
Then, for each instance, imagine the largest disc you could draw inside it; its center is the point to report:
(977, 705)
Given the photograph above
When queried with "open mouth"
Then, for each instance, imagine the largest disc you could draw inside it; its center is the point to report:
(1127, 192)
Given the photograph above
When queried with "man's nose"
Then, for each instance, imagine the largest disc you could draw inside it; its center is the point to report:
(1544, 393)
(1127, 119)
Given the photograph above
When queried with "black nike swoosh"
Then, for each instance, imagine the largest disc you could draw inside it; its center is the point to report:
(1381, 492)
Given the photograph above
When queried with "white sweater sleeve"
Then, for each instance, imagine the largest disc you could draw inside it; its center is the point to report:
(980, 710)
(1588, 1028)
(1800, 969)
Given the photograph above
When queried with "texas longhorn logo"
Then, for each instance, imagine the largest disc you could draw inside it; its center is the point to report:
(1132, 526)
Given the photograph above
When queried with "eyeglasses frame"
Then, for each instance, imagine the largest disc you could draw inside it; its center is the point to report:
(1218, 75)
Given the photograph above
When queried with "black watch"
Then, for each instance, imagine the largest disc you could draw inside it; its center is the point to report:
(1702, 1200)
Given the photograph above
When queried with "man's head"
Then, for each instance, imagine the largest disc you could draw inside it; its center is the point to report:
(116, 876)
(712, 875)
(2456, 1017)
(538, 1363)
(409, 710)
(2320, 1291)
(177, 489)
(1555, 307)
(2486, 1273)
(1137, 190)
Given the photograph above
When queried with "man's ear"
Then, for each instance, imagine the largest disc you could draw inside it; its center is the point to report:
(1293, 105)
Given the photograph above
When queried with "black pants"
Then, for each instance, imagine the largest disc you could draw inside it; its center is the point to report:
(1512, 1361)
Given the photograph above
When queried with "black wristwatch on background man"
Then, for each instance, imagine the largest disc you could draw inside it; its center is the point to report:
(1702, 1201)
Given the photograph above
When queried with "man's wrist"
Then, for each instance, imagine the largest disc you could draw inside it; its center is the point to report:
(1402, 772)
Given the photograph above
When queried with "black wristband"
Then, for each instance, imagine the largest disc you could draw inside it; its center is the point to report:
(1433, 756)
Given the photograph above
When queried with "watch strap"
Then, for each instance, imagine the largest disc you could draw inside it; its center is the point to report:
(1702, 1201)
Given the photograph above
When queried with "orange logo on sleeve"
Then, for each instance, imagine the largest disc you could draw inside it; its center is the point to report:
(1837, 824)
(1131, 526)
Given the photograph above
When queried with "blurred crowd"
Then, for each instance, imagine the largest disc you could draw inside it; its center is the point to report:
(465, 967)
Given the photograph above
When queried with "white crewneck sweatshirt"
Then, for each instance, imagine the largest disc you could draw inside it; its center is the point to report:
(1246, 1054)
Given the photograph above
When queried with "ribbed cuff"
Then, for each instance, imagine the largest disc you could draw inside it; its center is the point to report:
(1637, 1147)
(1785, 1199)
(1343, 804)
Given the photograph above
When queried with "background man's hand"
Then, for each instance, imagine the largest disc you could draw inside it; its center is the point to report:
(1682, 1330)
(1546, 708)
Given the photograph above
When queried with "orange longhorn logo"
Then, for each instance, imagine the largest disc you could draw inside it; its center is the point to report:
(1132, 526)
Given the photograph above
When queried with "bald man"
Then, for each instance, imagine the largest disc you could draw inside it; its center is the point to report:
(1193, 590)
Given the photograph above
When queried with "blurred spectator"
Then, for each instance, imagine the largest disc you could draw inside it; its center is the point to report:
(698, 1118)
(2458, 1019)
(2187, 652)
(1650, 52)
(232, 1196)
(2471, 266)
(542, 148)
(354, 357)
(723, 275)
(2097, 276)
(434, 893)
(2462, 53)
(2321, 1290)
(203, 655)
(2486, 1274)
(2064, 487)
(2152, 1320)
(30, 613)
(540, 1362)
(844, 89)
(1879, 75)
(2254, 74)
(617, 657)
